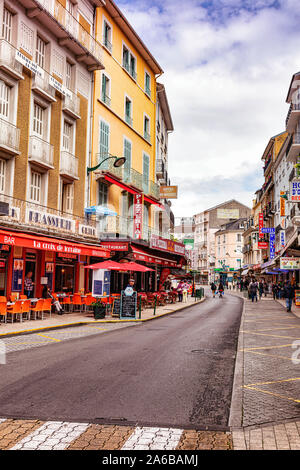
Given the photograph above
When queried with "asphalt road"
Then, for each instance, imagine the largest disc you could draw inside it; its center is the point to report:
(174, 371)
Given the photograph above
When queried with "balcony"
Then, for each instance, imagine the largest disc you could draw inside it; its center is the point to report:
(154, 190)
(292, 117)
(68, 165)
(160, 168)
(52, 15)
(108, 166)
(71, 105)
(130, 70)
(41, 86)
(40, 152)
(8, 61)
(133, 177)
(29, 216)
(294, 149)
(9, 138)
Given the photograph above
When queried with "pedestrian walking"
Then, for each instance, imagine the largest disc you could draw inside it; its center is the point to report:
(275, 289)
(213, 289)
(180, 291)
(289, 294)
(221, 289)
(253, 287)
(260, 289)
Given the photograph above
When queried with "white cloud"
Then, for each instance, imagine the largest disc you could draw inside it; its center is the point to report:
(226, 74)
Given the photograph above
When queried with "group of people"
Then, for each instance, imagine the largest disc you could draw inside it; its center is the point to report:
(215, 290)
(182, 290)
(280, 290)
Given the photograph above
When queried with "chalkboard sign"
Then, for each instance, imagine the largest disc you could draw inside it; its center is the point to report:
(297, 298)
(97, 287)
(117, 307)
(128, 305)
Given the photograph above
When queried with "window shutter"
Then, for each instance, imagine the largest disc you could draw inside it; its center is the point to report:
(104, 140)
(146, 168)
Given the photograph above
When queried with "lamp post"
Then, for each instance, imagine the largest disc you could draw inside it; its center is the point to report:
(119, 161)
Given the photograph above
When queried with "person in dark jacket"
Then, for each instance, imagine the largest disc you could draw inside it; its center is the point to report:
(253, 287)
(288, 293)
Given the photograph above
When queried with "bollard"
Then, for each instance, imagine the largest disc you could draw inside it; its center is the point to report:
(140, 308)
(155, 305)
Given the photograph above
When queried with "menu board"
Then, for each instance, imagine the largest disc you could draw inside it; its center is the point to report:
(117, 307)
(128, 304)
(97, 290)
(297, 298)
(17, 276)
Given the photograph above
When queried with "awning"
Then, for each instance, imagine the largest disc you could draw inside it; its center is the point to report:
(109, 265)
(124, 186)
(141, 255)
(131, 266)
(245, 272)
(100, 210)
(50, 244)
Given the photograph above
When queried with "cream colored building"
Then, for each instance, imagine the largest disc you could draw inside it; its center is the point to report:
(229, 247)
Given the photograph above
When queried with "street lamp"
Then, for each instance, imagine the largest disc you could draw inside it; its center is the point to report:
(119, 161)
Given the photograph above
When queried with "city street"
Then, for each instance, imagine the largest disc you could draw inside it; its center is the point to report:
(174, 372)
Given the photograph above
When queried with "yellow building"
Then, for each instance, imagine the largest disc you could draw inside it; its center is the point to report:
(124, 108)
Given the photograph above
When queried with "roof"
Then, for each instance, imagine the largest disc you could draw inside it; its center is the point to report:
(292, 88)
(223, 204)
(162, 96)
(270, 143)
(126, 27)
(232, 226)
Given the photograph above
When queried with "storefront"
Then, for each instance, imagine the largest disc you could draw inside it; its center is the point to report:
(58, 262)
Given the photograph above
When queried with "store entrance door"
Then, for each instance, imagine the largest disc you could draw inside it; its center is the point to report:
(30, 266)
(64, 278)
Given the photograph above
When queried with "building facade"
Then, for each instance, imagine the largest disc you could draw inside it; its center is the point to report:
(48, 56)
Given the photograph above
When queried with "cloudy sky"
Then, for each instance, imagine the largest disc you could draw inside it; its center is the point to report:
(227, 68)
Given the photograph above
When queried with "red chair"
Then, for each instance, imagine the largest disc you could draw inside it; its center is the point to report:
(46, 307)
(37, 309)
(67, 302)
(3, 310)
(26, 309)
(15, 310)
(77, 301)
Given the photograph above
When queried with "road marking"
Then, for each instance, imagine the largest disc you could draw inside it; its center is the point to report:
(270, 355)
(49, 337)
(271, 393)
(272, 336)
(274, 382)
(267, 347)
(52, 435)
(153, 439)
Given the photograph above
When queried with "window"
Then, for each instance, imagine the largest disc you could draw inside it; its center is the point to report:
(146, 171)
(67, 136)
(7, 25)
(2, 175)
(102, 194)
(128, 111)
(4, 100)
(238, 237)
(107, 36)
(127, 155)
(147, 128)
(105, 92)
(35, 187)
(129, 62)
(69, 75)
(104, 141)
(147, 84)
(40, 51)
(38, 119)
(67, 197)
(224, 238)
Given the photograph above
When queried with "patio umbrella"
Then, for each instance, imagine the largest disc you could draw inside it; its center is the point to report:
(131, 266)
(113, 265)
(100, 210)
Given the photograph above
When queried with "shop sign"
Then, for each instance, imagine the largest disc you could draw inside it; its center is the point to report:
(138, 216)
(115, 246)
(263, 245)
(290, 263)
(60, 87)
(67, 256)
(168, 192)
(49, 220)
(272, 245)
(260, 224)
(87, 230)
(167, 245)
(282, 238)
(267, 264)
(282, 204)
(29, 64)
(269, 230)
(295, 191)
(189, 244)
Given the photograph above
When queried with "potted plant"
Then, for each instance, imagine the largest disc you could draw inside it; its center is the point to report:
(99, 308)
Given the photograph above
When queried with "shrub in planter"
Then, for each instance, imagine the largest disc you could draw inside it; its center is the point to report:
(99, 308)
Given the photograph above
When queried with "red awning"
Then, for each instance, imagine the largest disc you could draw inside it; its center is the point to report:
(131, 266)
(110, 265)
(141, 255)
(122, 185)
(50, 244)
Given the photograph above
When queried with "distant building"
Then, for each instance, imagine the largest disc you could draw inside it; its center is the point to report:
(207, 223)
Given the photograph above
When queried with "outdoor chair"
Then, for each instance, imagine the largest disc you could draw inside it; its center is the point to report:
(15, 310)
(37, 309)
(26, 309)
(46, 307)
(3, 311)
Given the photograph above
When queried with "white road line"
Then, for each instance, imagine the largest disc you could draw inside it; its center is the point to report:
(153, 438)
(52, 435)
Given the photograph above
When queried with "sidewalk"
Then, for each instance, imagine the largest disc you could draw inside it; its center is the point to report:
(83, 318)
(265, 412)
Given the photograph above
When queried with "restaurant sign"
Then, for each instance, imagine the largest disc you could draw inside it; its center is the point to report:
(167, 245)
(29, 64)
(168, 192)
(138, 216)
(290, 263)
(263, 245)
(295, 191)
(114, 246)
(49, 220)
